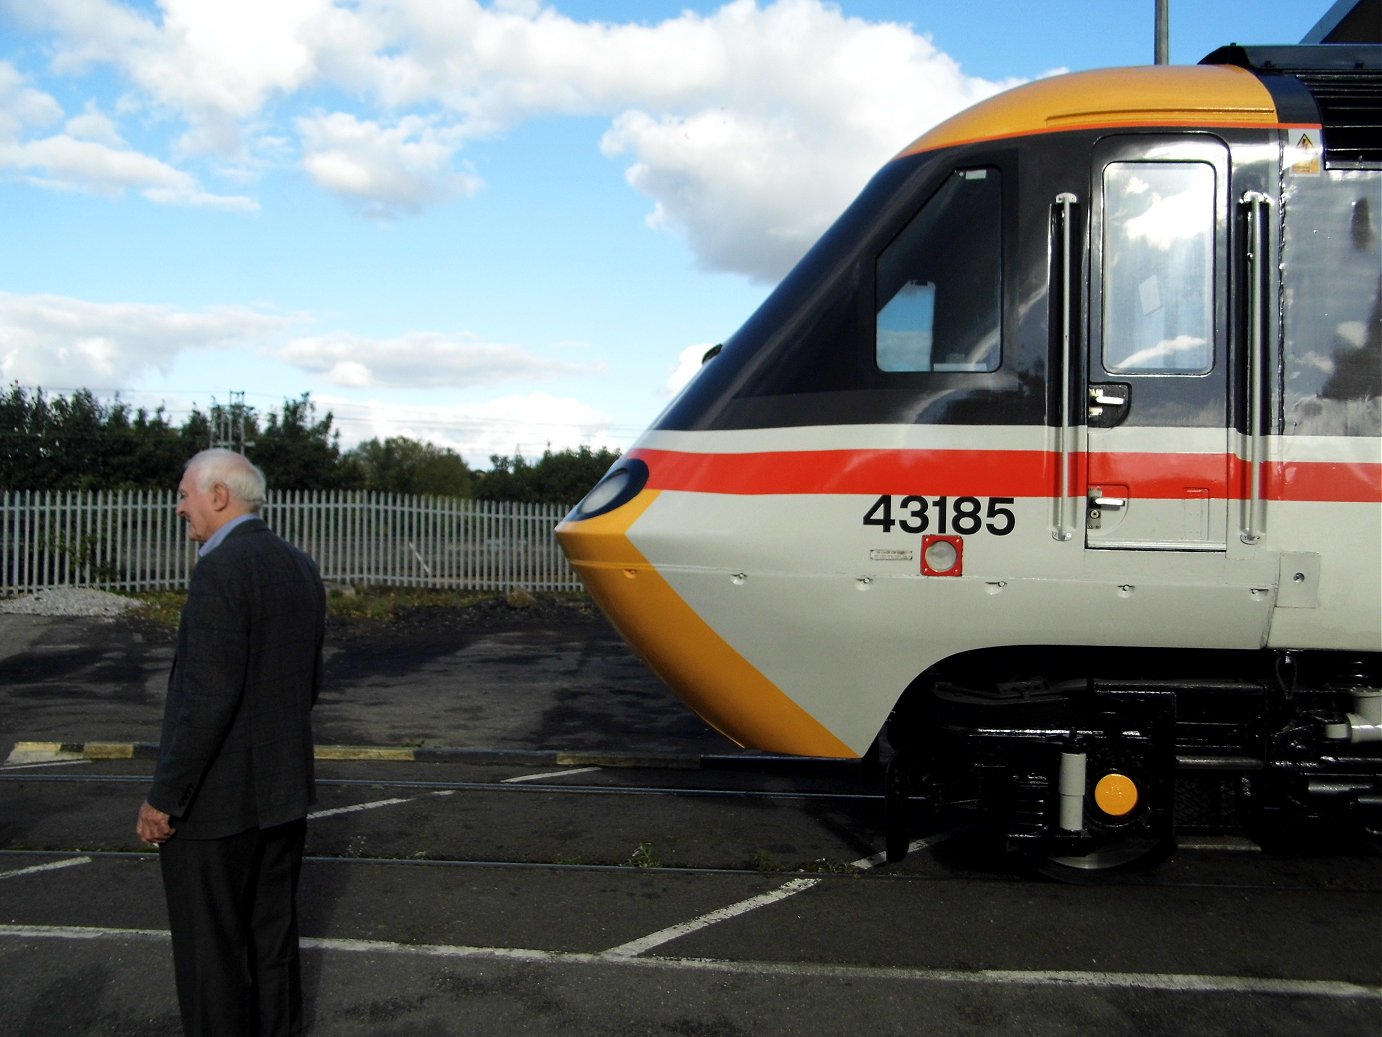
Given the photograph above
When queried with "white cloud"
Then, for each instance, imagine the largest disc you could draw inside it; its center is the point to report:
(65, 160)
(211, 64)
(526, 424)
(384, 169)
(748, 128)
(90, 154)
(421, 360)
(66, 163)
(811, 104)
(49, 340)
(189, 195)
(22, 106)
(691, 360)
(94, 125)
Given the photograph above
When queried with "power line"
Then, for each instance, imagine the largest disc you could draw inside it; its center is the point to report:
(229, 430)
(346, 412)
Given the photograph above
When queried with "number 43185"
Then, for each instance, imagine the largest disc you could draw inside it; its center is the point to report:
(943, 515)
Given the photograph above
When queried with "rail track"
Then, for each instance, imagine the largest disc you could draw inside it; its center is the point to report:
(583, 818)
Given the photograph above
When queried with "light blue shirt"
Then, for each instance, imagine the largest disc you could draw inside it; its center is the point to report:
(224, 532)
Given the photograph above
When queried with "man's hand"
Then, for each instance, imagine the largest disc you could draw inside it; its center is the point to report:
(152, 826)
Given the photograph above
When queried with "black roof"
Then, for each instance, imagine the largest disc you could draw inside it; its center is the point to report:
(1338, 85)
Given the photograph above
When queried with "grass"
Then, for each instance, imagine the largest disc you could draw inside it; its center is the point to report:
(160, 607)
(375, 603)
(644, 857)
(383, 603)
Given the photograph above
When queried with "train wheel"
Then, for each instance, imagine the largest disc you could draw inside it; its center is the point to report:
(896, 808)
(1122, 821)
(1109, 861)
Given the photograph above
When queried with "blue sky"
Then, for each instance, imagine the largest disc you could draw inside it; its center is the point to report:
(498, 227)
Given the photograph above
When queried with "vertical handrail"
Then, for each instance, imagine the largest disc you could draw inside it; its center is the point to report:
(1062, 528)
(1257, 270)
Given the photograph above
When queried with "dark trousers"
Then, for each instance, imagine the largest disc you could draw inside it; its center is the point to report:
(232, 908)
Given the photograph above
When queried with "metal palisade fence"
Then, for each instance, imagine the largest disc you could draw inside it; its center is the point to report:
(132, 540)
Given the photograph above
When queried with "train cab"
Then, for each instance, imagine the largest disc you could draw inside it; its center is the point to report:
(1056, 459)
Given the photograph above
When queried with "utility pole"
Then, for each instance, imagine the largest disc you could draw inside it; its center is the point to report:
(1163, 32)
(228, 425)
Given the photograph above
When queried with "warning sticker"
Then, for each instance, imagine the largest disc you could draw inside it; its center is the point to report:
(1305, 152)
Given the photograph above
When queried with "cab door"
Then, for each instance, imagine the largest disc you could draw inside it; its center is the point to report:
(1156, 398)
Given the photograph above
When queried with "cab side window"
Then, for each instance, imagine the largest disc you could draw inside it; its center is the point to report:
(1158, 289)
(939, 283)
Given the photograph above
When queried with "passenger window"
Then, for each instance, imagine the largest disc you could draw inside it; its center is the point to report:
(939, 283)
(1158, 295)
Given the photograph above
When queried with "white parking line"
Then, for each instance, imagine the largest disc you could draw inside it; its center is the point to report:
(38, 868)
(866, 863)
(662, 936)
(657, 939)
(375, 805)
(1182, 983)
(550, 774)
(11, 764)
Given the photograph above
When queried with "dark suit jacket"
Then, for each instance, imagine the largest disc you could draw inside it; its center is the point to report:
(236, 748)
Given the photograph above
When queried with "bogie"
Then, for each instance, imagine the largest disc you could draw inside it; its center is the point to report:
(1091, 775)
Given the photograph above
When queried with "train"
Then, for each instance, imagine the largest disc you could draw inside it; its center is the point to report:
(1051, 476)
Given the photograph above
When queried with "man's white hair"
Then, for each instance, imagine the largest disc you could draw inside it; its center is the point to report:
(234, 471)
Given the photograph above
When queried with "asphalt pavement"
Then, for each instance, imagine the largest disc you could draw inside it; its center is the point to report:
(553, 679)
(521, 831)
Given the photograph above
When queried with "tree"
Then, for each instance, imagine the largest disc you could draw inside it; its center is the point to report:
(560, 478)
(400, 465)
(78, 442)
(298, 452)
(24, 420)
(74, 441)
(140, 450)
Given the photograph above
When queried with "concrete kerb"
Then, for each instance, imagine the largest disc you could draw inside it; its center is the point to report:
(33, 753)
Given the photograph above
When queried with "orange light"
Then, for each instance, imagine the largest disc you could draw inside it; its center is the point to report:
(1116, 795)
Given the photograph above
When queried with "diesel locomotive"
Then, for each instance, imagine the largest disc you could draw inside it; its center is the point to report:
(1057, 461)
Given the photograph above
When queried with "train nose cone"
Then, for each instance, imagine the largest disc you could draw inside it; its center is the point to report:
(636, 592)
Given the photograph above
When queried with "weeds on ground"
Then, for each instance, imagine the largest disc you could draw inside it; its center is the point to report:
(373, 603)
(384, 603)
(644, 857)
(161, 607)
(765, 861)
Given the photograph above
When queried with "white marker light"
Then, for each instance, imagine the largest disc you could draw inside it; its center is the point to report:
(942, 556)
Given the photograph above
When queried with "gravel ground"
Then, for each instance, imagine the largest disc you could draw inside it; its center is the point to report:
(68, 601)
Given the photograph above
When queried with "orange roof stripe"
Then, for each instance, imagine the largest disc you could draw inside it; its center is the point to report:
(1150, 95)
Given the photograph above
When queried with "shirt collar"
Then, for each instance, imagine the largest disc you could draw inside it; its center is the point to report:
(220, 534)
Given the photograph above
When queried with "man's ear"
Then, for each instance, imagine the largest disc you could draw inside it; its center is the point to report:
(220, 496)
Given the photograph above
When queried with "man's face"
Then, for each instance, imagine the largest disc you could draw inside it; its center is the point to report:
(201, 509)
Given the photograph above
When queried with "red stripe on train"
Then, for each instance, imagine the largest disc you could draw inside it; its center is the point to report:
(1001, 473)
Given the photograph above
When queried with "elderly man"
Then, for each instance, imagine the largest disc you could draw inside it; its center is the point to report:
(234, 779)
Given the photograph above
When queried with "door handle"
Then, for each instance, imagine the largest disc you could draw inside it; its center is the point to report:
(1108, 404)
(1097, 504)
